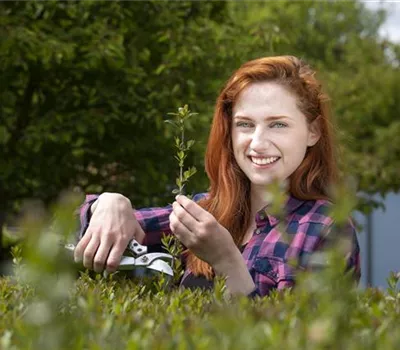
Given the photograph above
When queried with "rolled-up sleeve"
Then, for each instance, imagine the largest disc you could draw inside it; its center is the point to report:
(353, 258)
(154, 222)
(84, 214)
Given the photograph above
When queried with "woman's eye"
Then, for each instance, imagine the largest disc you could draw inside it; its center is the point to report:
(278, 125)
(244, 124)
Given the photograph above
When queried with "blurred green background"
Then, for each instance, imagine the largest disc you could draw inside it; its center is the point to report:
(86, 87)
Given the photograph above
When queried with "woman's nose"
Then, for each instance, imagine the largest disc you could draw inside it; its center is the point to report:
(260, 141)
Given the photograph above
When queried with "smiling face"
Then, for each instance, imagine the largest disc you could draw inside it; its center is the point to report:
(270, 134)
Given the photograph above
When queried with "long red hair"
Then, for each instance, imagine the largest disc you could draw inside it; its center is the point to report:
(229, 192)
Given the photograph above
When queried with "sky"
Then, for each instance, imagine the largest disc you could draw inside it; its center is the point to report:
(391, 28)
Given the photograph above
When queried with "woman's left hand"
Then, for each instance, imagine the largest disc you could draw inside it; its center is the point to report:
(199, 231)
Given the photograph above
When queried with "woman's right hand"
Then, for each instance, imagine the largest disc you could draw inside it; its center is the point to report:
(112, 226)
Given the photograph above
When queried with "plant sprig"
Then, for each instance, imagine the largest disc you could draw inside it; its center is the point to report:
(175, 248)
(182, 146)
(170, 243)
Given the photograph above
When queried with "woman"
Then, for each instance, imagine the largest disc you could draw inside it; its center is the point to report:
(271, 124)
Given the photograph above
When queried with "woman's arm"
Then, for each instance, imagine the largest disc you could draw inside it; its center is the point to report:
(200, 232)
(238, 278)
(108, 223)
(106, 234)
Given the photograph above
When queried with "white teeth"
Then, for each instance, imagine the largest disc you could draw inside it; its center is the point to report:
(263, 161)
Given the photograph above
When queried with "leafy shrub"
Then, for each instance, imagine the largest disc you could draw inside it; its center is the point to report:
(47, 305)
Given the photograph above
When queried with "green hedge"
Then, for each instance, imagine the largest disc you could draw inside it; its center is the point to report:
(43, 305)
(116, 314)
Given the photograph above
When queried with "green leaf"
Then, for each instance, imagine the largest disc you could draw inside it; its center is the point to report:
(192, 170)
(160, 69)
(189, 144)
(171, 123)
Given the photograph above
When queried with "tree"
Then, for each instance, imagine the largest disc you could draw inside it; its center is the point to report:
(86, 86)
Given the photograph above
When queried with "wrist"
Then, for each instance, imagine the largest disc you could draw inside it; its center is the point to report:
(228, 262)
(238, 278)
(109, 198)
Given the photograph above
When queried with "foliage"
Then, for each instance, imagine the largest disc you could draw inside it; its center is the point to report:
(85, 86)
(103, 314)
(44, 306)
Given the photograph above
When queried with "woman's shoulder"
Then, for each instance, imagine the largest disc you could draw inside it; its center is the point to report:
(320, 211)
(318, 219)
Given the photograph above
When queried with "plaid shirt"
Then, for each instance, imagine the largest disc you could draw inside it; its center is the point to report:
(268, 253)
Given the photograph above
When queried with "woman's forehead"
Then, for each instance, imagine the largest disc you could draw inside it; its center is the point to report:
(263, 99)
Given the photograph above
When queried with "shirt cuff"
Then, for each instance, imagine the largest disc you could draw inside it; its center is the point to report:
(85, 214)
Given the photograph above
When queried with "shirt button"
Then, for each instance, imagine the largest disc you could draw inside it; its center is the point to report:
(258, 231)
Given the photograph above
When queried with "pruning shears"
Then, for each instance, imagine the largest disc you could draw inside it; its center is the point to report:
(139, 261)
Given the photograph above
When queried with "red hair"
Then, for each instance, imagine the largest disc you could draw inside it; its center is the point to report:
(229, 192)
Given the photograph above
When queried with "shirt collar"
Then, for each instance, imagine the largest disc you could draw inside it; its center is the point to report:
(291, 205)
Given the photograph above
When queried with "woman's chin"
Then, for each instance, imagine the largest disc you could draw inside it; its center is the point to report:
(265, 180)
(261, 182)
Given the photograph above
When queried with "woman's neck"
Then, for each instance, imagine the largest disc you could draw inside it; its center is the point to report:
(259, 198)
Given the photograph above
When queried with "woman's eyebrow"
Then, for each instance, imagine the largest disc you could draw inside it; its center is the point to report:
(269, 118)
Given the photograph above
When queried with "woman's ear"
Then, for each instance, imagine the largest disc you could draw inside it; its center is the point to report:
(314, 132)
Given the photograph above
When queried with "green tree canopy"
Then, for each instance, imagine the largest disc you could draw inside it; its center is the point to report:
(86, 86)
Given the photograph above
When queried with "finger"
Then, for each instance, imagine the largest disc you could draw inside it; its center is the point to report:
(114, 258)
(81, 246)
(89, 252)
(100, 258)
(192, 208)
(184, 217)
(180, 231)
